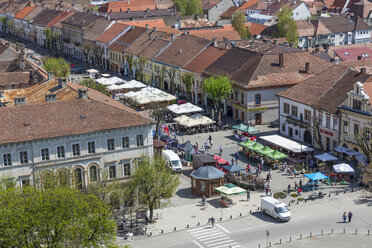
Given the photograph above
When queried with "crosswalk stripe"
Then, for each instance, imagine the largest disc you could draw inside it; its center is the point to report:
(236, 246)
(199, 228)
(216, 240)
(213, 236)
(225, 245)
(223, 228)
(202, 231)
(221, 242)
(209, 234)
(195, 242)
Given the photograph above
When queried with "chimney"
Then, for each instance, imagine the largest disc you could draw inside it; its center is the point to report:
(251, 44)
(227, 43)
(275, 41)
(147, 10)
(147, 26)
(50, 75)
(155, 29)
(62, 82)
(281, 60)
(51, 98)
(307, 67)
(83, 94)
(173, 37)
(359, 57)
(214, 42)
(363, 70)
(128, 10)
(19, 101)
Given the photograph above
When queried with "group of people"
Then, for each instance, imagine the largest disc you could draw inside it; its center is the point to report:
(349, 216)
(296, 188)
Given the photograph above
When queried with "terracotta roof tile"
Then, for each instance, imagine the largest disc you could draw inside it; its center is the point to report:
(152, 49)
(45, 16)
(350, 54)
(226, 31)
(144, 40)
(30, 16)
(112, 32)
(21, 14)
(204, 59)
(229, 12)
(247, 4)
(151, 23)
(127, 38)
(94, 31)
(182, 50)
(133, 5)
(56, 22)
(305, 28)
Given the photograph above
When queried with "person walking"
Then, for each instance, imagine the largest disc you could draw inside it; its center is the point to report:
(197, 145)
(267, 177)
(270, 173)
(350, 215)
(212, 221)
(248, 195)
(221, 149)
(232, 161)
(300, 183)
(289, 189)
(344, 217)
(203, 200)
(267, 191)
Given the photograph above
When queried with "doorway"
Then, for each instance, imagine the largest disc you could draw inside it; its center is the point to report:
(328, 144)
(258, 119)
(307, 137)
(290, 132)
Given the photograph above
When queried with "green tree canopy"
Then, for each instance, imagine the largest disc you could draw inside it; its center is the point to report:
(287, 27)
(90, 83)
(238, 21)
(217, 88)
(189, 7)
(154, 182)
(57, 217)
(58, 66)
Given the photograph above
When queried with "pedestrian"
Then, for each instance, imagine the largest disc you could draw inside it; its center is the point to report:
(197, 145)
(350, 215)
(248, 169)
(248, 195)
(300, 183)
(203, 200)
(210, 138)
(269, 173)
(295, 186)
(203, 146)
(289, 189)
(221, 149)
(174, 134)
(212, 221)
(211, 143)
(124, 222)
(267, 177)
(267, 191)
(232, 161)
(344, 217)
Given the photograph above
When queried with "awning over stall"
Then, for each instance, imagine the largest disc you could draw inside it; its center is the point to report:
(184, 108)
(343, 168)
(285, 143)
(245, 128)
(326, 157)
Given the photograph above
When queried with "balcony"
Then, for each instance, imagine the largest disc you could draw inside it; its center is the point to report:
(294, 121)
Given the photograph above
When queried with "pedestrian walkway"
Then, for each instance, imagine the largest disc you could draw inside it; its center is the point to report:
(212, 237)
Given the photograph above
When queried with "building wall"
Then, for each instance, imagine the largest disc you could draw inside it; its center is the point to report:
(102, 157)
(302, 12)
(329, 131)
(362, 36)
(215, 12)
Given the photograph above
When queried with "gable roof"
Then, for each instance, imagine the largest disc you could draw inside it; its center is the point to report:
(225, 31)
(45, 16)
(328, 88)
(144, 14)
(127, 38)
(143, 23)
(56, 22)
(362, 8)
(94, 31)
(204, 59)
(33, 13)
(145, 39)
(81, 19)
(132, 5)
(182, 50)
(21, 14)
(338, 24)
(152, 49)
(229, 12)
(352, 53)
(305, 28)
(112, 32)
(274, 7)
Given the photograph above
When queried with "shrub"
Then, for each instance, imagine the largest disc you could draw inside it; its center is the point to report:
(294, 195)
(300, 199)
(292, 201)
(280, 195)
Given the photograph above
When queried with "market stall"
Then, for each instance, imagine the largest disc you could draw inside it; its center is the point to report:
(343, 174)
(220, 161)
(93, 73)
(233, 168)
(109, 81)
(148, 97)
(200, 160)
(326, 157)
(184, 108)
(228, 190)
(244, 132)
(315, 178)
(287, 144)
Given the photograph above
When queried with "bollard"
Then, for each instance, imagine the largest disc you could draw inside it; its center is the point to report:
(344, 230)
(344, 191)
(332, 231)
(290, 239)
(162, 231)
(311, 234)
(352, 190)
(336, 193)
(230, 216)
(368, 232)
(270, 244)
(145, 229)
(300, 236)
(250, 211)
(187, 226)
(289, 204)
(356, 231)
(240, 215)
(321, 233)
(297, 202)
(305, 200)
(150, 233)
(258, 208)
(220, 218)
(198, 223)
(329, 195)
(175, 229)
(280, 241)
(259, 246)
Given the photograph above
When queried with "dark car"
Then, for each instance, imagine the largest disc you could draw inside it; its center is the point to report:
(274, 124)
(78, 70)
(169, 141)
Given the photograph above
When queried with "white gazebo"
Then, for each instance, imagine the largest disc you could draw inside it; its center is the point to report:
(184, 108)
(149, 95)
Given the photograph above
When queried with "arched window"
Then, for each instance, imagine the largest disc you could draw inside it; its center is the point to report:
(63, 178)
(93, 175)
(78, 178)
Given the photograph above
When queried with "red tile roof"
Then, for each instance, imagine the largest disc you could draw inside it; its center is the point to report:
(112, 32)
(247, 4)
(133, 5)
(152, 23)
(255, 28)
(204, 59)
(127, 39)
(62, 16)
(21, 14)
(226, 31)
(351, 54)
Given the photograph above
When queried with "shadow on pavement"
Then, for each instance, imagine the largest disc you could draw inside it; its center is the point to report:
(186, 193)
(366, 200)
(260, 215)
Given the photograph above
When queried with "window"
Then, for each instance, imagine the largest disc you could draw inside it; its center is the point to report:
(286, 108)
(320, 118)
(257, 99)
(125, 142)
(44, 154)
(126, 167)
(357, 104)
(307, 115)
(75, 149)
(368, 134)
(334, 123)
(7, 159)
(296, 132)
(91, 147)
(294, 110)
(140, 140)
(112, 171)
(242, 98)
(328, 121)
(283, 127)
(60, 151)
(346, 127)
(111, 144)
(356, 129)
(23, 158)
(25, 182)
(334, 143)
(236, 95)
(93, 174)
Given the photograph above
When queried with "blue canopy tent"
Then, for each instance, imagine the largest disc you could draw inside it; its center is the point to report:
(315, 176)
(233, 168)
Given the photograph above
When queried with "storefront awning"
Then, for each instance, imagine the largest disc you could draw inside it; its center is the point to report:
(285, 143)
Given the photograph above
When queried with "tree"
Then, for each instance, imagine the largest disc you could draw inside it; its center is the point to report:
(57, 217)
(10, 26)
(154, 182)
(48, 38)
(141, 62)
(160, 73)
(189, 7)
(238, 22)
(158, 113)
(130, 62)
(187, 80)
(217, 88)
(316, 132)
(3, 20)
(86, 47)
(98, 53)
(90, 83)
(287, 27)
(58, 66)
(171, 72)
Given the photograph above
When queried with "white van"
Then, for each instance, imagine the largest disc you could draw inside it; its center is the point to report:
(172, 160)
(275, 208)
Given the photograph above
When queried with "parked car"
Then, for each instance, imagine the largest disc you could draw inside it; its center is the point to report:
(274, 124)
(171, 143)
(77, 70)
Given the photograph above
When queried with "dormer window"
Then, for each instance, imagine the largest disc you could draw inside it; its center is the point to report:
(357, 90)
(357, 104)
